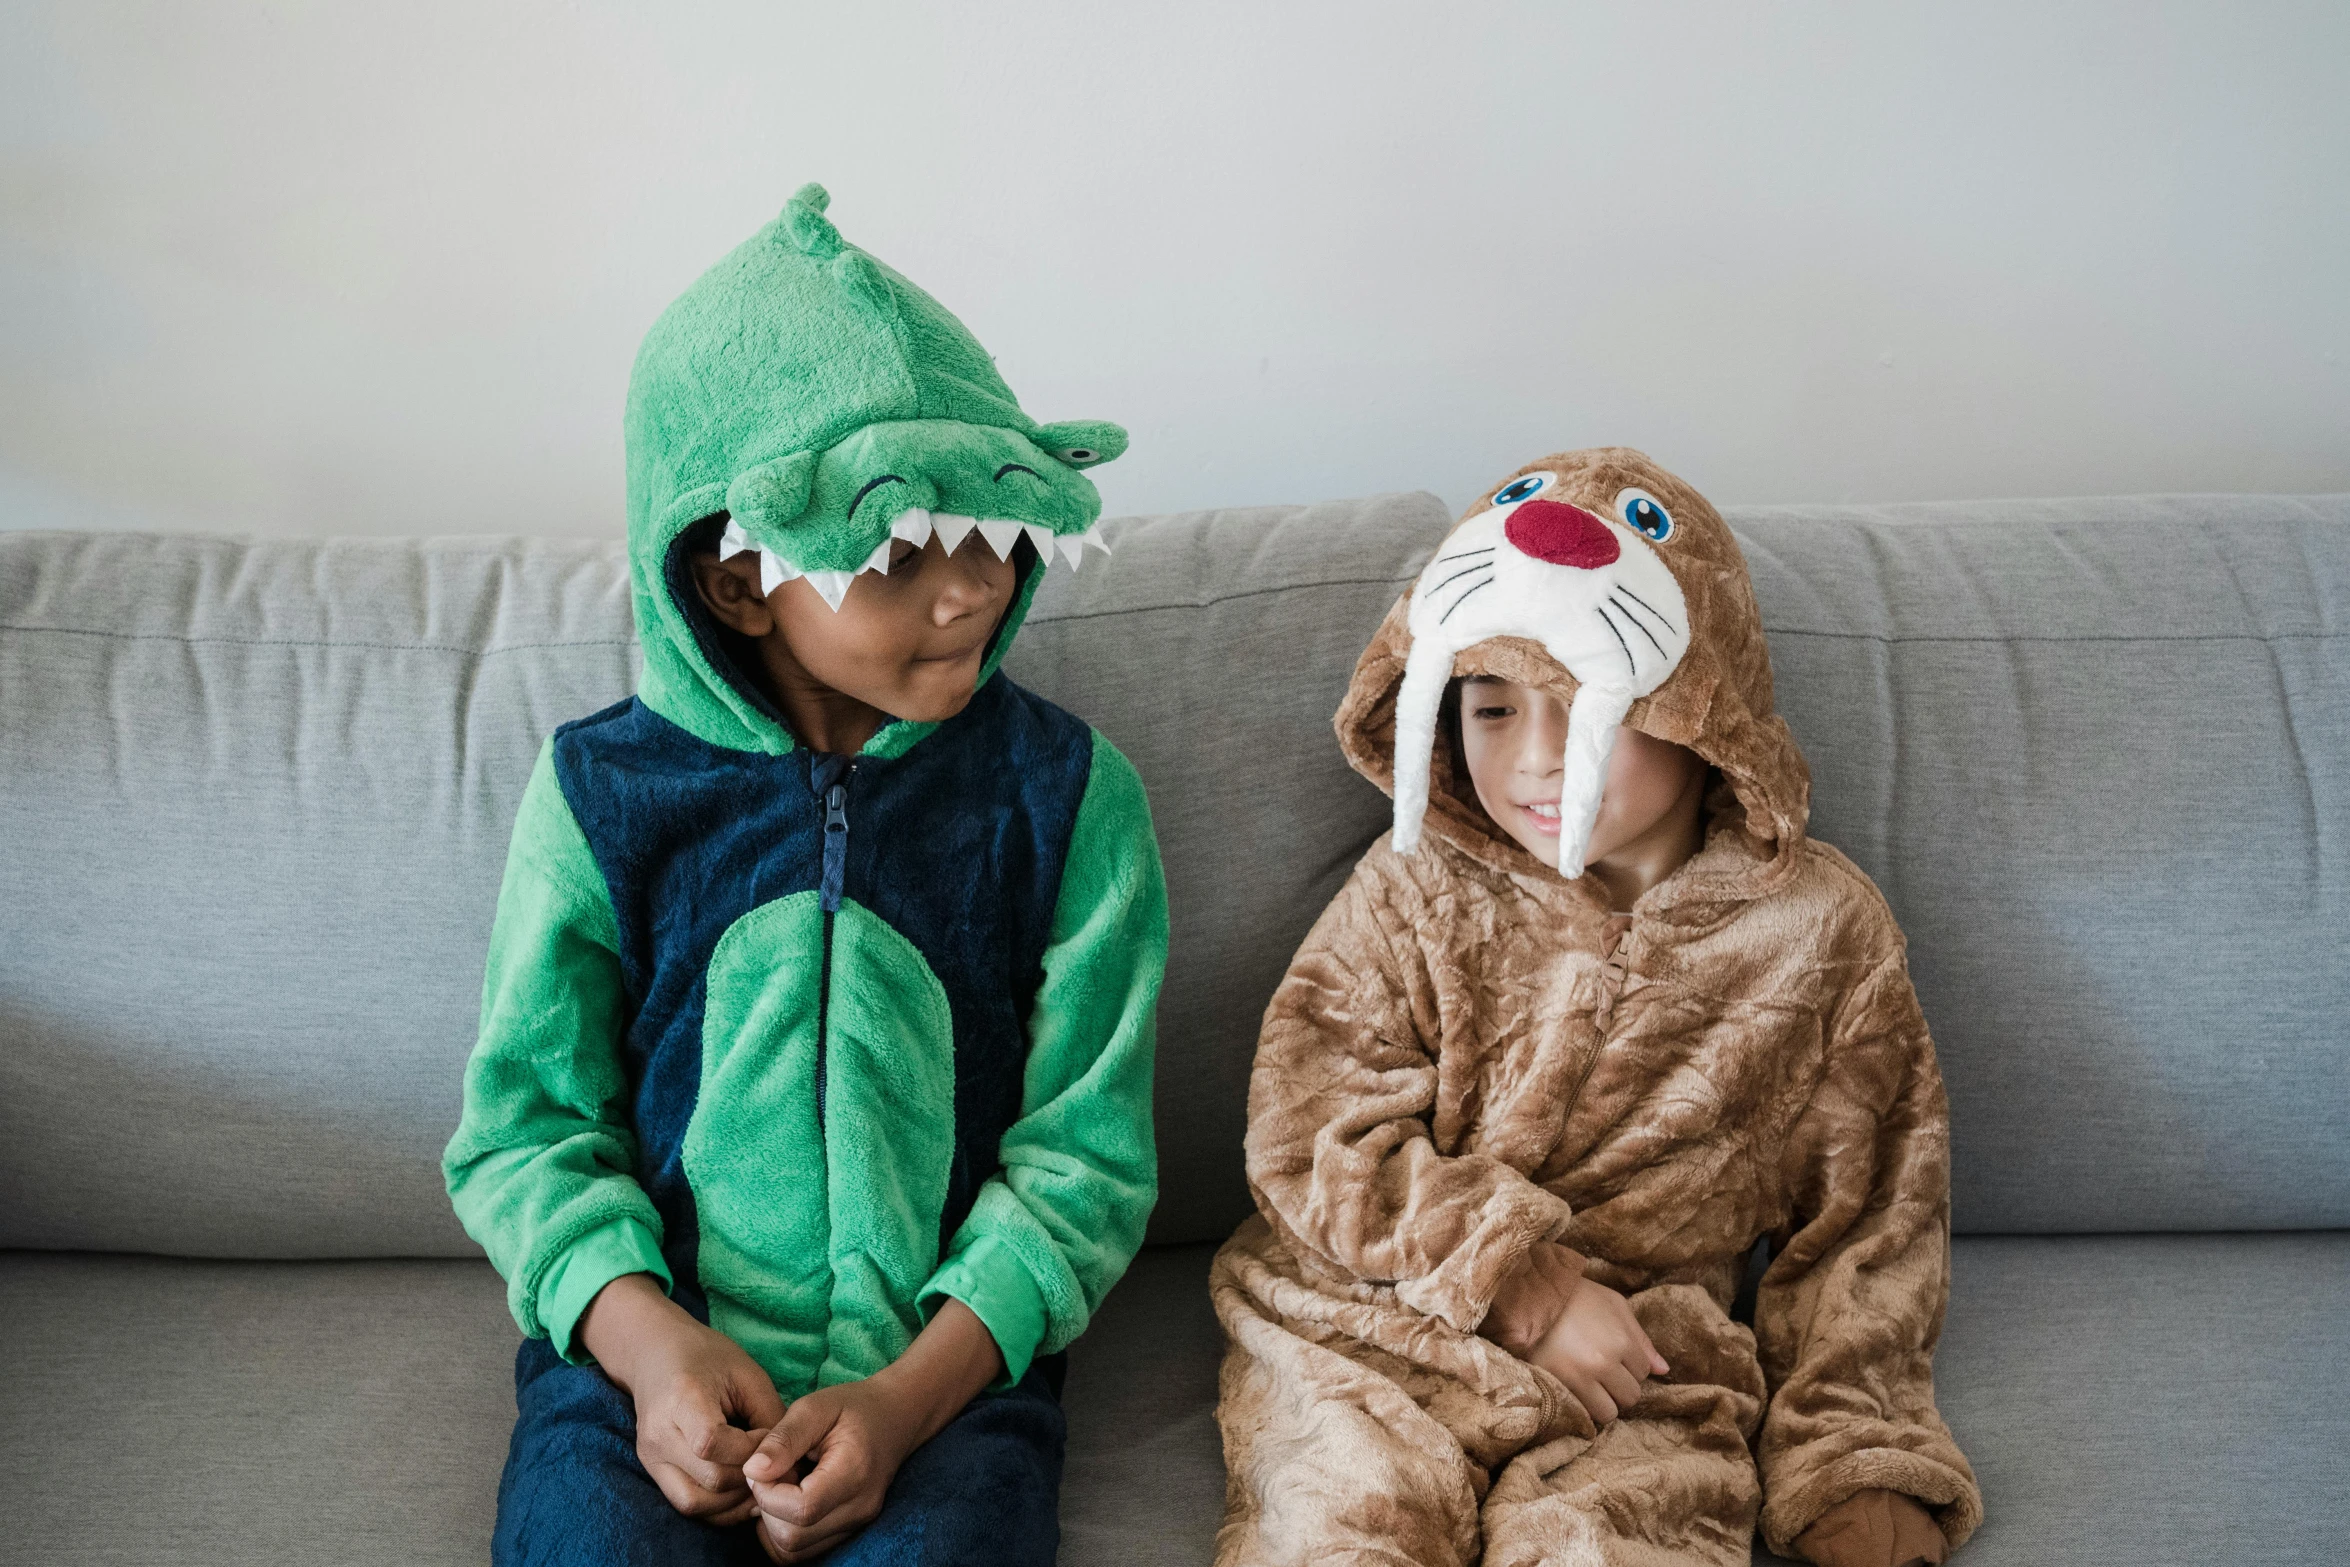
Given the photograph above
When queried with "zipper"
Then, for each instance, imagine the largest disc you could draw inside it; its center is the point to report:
(830, 775)
(1614, 935)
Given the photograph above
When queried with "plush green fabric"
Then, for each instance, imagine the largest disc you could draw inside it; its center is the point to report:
(622, 1247)
(753, 1152)
(1050, 1235)
(779, 388)
(538, 1162)
(762, 1165)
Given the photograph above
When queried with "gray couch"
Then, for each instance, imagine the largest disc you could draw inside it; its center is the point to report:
(254, 799)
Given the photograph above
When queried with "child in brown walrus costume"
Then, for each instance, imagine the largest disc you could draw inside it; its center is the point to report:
(1492, 1104)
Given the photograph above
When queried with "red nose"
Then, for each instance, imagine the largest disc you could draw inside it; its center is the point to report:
(1562, 534)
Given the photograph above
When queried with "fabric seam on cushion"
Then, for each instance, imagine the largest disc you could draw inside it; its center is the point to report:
(1246, 593)
(2197, 636)
(382, 647)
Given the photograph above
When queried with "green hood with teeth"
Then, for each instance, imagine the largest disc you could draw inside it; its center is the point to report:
(827, 405)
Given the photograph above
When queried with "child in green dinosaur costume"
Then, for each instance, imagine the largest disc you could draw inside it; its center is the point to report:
(810, 1116)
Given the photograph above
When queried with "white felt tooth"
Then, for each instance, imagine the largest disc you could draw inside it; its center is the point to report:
(1000, 536)
(833, 586)
(733, 541)
(1073, 551)
(879, 559)
(952, 529)
(774, 572)
(913, 525)
(1041, 537)
(1093, 536)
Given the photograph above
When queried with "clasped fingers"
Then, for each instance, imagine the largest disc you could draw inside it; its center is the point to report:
(802, 1520)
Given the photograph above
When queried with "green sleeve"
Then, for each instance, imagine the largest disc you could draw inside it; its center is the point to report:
(541, 1170)
(1050, 1234)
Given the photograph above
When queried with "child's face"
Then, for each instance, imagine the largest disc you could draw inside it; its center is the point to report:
(1514, 739)
(908, 643)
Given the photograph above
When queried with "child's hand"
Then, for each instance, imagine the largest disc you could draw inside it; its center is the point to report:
(824, 1471)
(821, 1474)
(1597, 1348)
(695, 1391)
(1532, 1298)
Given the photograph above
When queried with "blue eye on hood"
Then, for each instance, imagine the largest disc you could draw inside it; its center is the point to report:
(1523, 486)
(1644, 516)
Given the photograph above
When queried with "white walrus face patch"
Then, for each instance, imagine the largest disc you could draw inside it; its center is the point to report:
(1591, 589)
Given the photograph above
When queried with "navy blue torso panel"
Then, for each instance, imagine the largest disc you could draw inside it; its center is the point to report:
(958, 845)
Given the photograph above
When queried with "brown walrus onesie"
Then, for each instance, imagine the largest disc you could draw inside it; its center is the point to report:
(1469, 1055)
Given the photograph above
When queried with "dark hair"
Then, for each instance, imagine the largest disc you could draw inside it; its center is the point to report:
(701, 535)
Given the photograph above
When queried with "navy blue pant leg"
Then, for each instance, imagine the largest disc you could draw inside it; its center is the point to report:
(574, 1495)
(985, 1491)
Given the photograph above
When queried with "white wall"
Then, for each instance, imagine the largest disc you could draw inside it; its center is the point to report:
(377, 267)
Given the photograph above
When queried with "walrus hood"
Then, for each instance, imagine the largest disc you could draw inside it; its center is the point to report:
(827, 406)
(1598, 576)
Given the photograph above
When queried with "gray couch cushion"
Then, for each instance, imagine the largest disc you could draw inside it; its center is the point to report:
(2147, 1399)
(2095, 751)
(256, 800)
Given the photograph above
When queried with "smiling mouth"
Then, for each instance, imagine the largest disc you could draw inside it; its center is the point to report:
(1544, 817)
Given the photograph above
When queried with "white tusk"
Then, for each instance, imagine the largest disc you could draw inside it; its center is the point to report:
(774, 572)
(1000, 536)
(879, 559)
(1425, 671)
(832, 586)
(734, 541)
(913, 525)
(952, 529)
(1592, 721)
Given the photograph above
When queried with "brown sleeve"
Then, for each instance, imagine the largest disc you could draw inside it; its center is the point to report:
(1850, 1309)
(1339, 1109)
(1874, 1528)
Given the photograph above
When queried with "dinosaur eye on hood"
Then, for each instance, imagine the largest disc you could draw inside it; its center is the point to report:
(1080, 443)
(1524, 487)
(1644, 516)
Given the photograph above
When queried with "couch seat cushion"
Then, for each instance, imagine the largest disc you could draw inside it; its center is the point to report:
(2147, 1399)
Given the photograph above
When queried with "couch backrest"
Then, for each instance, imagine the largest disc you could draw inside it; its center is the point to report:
(254, 800)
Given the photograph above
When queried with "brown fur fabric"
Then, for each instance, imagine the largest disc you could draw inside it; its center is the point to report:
(1450, 1073)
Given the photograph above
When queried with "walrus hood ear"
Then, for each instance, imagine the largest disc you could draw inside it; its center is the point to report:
(829, 408)
(1600, 576)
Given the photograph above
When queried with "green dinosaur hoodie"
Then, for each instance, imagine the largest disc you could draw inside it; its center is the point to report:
(821, 1041)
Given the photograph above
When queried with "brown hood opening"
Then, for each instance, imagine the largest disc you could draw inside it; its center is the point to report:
(1716, 701)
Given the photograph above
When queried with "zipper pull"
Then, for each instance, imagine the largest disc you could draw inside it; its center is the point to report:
(1613, 969)
(836, 843)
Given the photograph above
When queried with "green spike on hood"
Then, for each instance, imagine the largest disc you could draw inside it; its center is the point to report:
(828, 405)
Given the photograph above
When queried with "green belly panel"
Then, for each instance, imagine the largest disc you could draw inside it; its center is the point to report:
(815, 1243)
